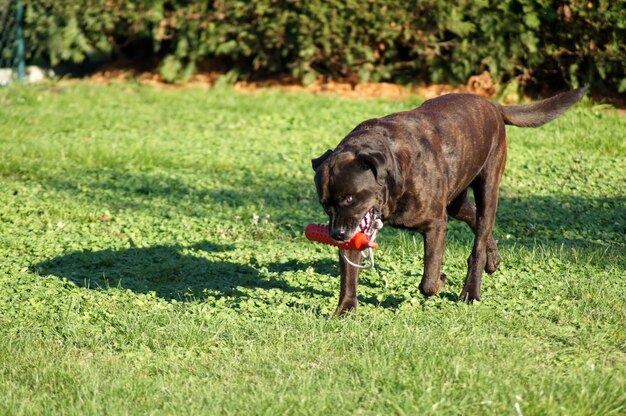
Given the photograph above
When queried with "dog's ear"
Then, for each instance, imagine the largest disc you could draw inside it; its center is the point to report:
(374, 160)
(384, 166)
(315, 163)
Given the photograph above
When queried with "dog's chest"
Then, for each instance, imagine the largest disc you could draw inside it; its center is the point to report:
(410, 213)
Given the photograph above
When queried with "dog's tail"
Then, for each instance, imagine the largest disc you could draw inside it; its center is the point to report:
(541, 112)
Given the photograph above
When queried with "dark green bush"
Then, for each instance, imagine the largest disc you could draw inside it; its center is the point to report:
(532, 41)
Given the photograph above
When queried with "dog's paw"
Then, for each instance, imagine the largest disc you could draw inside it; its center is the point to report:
(493, 259)
(493, 256)
(345, 308)
(470, 294)
(428, 288)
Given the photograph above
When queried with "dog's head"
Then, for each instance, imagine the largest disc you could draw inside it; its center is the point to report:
(351, 183)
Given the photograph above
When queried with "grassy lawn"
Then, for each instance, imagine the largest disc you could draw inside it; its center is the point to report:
(153, 263)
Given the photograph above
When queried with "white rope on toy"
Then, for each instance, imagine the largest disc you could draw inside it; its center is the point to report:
(369, 252)
(360, 266)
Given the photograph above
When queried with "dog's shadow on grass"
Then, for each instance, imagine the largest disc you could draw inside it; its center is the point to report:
(189, 273)
(173, 272)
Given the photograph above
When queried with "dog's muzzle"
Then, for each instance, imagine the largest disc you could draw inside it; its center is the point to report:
(367, 225)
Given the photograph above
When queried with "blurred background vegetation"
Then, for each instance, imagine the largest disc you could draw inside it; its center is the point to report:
(525, 43)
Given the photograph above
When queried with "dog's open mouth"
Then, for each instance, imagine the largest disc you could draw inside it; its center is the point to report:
(370, 223)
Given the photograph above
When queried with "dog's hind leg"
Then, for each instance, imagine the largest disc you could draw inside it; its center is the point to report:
(463, 210)
(485, 188)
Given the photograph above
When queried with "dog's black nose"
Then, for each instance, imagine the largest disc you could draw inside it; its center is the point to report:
(339, 234)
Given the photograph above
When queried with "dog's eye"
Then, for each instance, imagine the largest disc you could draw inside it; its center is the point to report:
(348, 199)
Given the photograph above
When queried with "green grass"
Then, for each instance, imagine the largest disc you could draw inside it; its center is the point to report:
(153, 263)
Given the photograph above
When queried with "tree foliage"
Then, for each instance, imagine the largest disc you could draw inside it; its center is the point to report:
(555, 41)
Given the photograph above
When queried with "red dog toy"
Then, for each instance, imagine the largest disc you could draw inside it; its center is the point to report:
(319, 233)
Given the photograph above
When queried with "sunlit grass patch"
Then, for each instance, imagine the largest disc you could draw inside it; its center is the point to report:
(153, 262)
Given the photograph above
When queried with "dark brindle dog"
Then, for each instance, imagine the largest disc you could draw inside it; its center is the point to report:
(413, 169)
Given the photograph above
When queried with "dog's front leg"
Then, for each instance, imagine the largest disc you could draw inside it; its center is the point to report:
(349, 281)
(434, 245)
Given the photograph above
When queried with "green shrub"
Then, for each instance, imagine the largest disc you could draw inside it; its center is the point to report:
(536, 41)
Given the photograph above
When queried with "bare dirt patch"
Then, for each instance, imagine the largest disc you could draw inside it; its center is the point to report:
(481, 84)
